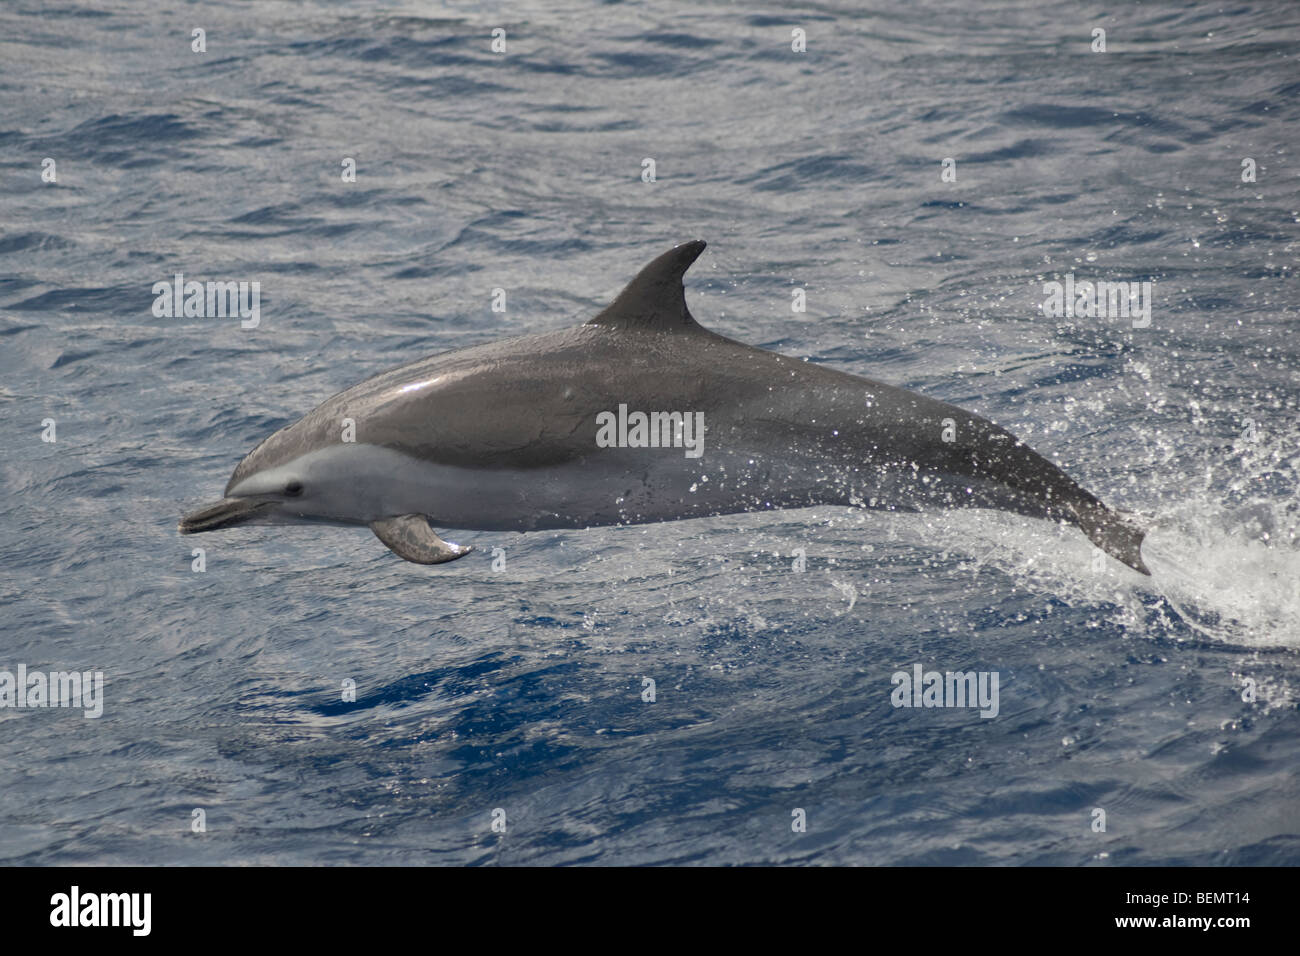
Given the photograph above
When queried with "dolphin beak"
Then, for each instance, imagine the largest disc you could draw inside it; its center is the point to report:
(223, 514)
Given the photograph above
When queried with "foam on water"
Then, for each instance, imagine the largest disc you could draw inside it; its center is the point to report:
(1227, 585)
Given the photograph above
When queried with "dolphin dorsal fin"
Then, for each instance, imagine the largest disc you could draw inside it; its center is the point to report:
(655, 299)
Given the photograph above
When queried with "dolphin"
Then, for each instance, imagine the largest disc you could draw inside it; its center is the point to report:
(639, 415)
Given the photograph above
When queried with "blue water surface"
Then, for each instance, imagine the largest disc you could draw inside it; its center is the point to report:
(1168, 704)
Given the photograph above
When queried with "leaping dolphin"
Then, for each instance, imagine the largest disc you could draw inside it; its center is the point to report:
(639, 415)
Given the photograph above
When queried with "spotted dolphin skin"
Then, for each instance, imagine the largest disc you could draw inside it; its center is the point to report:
(640, 415)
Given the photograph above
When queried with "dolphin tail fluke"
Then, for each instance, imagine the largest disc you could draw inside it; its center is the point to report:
(410, 537)
(1114, 533)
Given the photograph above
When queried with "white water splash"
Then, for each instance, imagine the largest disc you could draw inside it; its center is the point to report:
(1227, 584)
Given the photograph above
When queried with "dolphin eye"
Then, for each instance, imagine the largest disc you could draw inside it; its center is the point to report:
(293, 489)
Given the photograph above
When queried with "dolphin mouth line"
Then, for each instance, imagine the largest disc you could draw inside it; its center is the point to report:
(223, 514)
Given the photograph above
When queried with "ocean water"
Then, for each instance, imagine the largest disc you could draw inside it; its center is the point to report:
(1169, 704)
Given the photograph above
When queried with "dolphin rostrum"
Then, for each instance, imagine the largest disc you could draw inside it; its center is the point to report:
(639, 415)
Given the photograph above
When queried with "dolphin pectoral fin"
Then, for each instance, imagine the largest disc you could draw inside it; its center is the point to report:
(1114, 533)
(411, 538)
